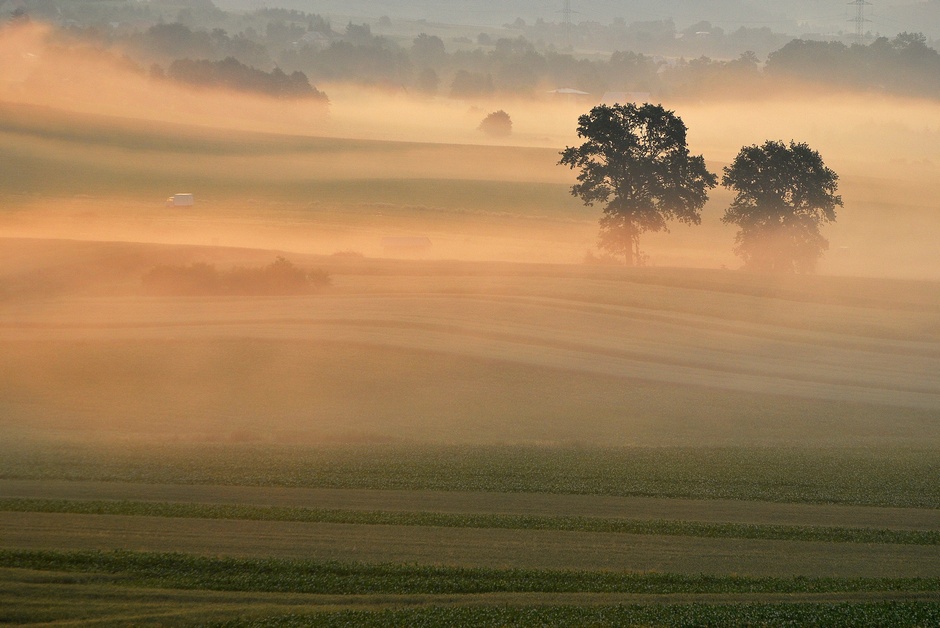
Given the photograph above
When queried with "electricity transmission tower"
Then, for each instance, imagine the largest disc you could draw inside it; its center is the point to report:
(859, 19)
(566, 14)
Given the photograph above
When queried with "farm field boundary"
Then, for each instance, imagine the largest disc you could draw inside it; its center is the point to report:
(181, 571)
(46, 596)
(484, 503)
(466, 547)
(482, 521)
(886, 477)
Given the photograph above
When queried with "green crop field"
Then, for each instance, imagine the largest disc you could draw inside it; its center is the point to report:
(445, 548)
(486, 433)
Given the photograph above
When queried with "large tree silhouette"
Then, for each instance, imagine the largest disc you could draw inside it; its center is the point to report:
(636, 162)
(782, 196)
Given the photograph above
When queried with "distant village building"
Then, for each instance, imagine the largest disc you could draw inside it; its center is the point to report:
(570, 94)
(183, 199)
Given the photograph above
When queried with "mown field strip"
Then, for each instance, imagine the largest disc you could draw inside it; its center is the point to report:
(180, 571)
(734, 372)
(29, 596)
(471, 547)
(901, 480)
(659, 345)
(822, 615)
(467, 520)
(482, 503)
(70, 583)
(538, 334)
(563, 302)
(686, 317)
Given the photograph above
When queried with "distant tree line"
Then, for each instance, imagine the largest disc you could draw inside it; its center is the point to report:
(904, 64)
(200, 67)
(667, 67)
(164, 43)
(231, 74)
(655, 37)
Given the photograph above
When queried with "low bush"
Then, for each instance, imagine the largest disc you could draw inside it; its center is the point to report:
(281, 277)
(497, 124)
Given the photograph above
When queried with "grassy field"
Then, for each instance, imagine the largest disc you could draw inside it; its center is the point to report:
(86, 582)
(120, 551)
(461, 439)
(454, 352)
(487, 444)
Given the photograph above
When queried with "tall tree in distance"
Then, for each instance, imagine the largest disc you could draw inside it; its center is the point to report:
(637, 164)
(782, 196)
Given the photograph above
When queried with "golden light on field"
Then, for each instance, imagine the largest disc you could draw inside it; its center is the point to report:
(277, 361)
(885, 149)
(94, 148)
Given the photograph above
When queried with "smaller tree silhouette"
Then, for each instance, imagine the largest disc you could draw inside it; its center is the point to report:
(782, 196)
(497, 124)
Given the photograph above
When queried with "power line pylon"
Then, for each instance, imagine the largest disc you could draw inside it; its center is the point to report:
(566, 14)
(859, 19)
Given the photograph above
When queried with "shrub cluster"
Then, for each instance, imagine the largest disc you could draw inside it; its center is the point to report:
(281, 277)
(497, 124)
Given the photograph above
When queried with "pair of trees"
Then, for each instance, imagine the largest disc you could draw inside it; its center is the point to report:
(637, 164)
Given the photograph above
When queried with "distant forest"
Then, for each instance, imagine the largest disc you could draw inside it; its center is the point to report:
(229, 73)
(284, 53)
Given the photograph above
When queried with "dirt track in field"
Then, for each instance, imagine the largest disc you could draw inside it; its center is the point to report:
(657, 345)
(716, 510)
(18, 584)
(465, 547)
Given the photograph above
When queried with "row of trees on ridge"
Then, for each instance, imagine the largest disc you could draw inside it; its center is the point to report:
(636, 163)
(904, 64)
(229, 73)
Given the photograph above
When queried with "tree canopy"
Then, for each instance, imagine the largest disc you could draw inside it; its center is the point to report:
(783, 193)
(497, 124)
(637, 164)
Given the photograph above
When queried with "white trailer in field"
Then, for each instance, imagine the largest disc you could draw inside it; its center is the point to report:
(181, 200)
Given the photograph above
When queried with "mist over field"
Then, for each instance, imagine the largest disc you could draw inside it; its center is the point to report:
(302, 320)
(93, 148)
(437, 165)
